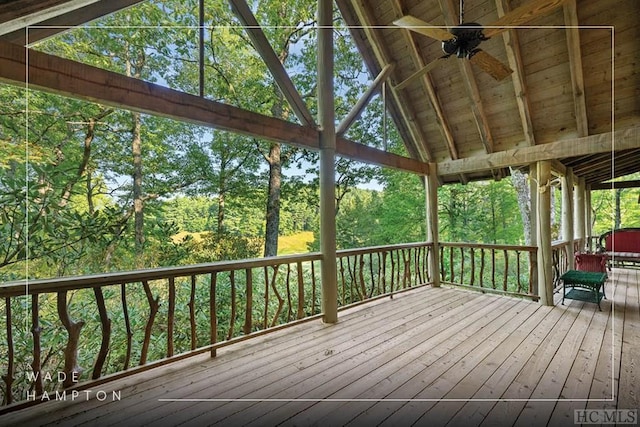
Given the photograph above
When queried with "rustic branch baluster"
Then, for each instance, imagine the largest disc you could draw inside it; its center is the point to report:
(213, 313)
(493, 268)
(344, 285)
(363, 286)
(8, 378)
(313, 288)
(127, 325)
(232, 317)
(274, 322)
(473, 267)
(192, 313)
(482, 268)
(171, 315)
(451, 266)
(300, 314)
(248, 315)
(71, 369)
(105, 324)
(461, 264)
(374, 285)
(265, 322)
(36, 365)
(518, 271)
(154, 305)
(506, 271)
(290, 305)
(393, 271)
(384, 272)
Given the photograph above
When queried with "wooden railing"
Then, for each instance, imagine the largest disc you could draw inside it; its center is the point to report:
(143, 318)
(150, 317)
(560, 253)
(504, 269)
(382, 270)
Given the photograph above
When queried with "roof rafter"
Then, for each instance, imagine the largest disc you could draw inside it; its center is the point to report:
(65, 21)
(357, 109)
(264, 48)
(16, 15)
(514, 57)
(427, 84)
(575, 63)
(471, 87)
(363, 13)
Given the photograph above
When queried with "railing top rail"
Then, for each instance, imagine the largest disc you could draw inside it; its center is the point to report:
(558, 244)
(490, 246)
(384, 248)
(39, 286)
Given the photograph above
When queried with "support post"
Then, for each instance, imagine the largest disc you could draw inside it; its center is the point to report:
(431, 199)
(533, 199)
(567, 215)
(579, 212)
(545, 273)
(587, 218)
(326, 118)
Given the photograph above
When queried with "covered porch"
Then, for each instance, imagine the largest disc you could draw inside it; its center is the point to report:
(429, 355)
(397, 344)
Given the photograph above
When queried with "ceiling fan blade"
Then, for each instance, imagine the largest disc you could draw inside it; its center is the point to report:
(422, 71)
(419, 26)
(490, 65)
(521, 15)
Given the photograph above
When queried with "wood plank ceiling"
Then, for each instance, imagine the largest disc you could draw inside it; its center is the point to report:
(575, 75)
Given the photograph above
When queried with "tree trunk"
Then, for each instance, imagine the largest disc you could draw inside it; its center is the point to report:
(138, 204)
(519, 182)
(273, 201)
(617, 216)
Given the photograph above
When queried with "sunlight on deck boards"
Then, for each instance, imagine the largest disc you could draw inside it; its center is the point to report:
(435, 356)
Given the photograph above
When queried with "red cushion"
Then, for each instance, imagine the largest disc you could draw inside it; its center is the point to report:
(623, 241)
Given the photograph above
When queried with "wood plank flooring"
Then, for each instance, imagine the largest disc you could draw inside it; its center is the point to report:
(431, 356)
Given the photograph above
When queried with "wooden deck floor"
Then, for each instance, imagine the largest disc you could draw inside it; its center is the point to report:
(428, 357)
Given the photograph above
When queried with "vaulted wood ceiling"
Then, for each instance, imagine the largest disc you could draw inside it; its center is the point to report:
(575, 74)
(573, 96)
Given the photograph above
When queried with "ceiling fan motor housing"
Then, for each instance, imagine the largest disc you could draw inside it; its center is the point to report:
(467, 37)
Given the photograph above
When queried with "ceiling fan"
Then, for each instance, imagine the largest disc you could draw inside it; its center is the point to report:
(464, 39)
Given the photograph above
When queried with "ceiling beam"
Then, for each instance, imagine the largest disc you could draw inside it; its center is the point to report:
(363, 13)
(615, 185)
(514, 57)
(65, 21)
(357, 109)
(602, 143)
(270, 58)
(73, 79)
(575, 64)
(17, 15)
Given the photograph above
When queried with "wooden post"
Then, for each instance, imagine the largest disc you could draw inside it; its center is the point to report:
(326, 118)
(431, 199)
(533, 199)
(567, 215)
(545, 274)
(579, 212)
(587, 217)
